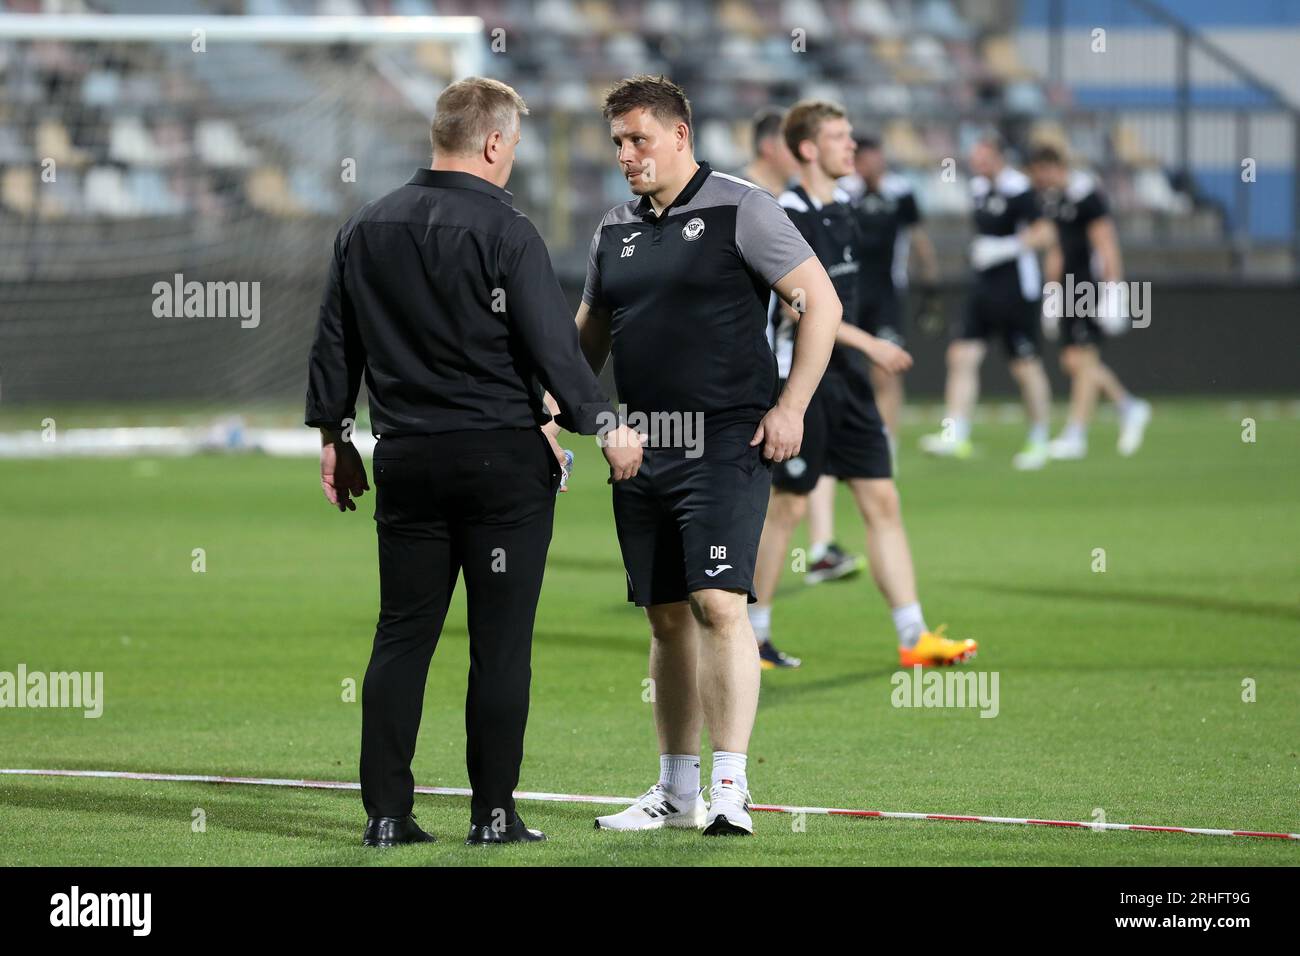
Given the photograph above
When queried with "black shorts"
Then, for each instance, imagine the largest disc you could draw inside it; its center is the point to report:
(883, 315)
(686, 524)
(843, 436)
(1081, 330)
(998, 308)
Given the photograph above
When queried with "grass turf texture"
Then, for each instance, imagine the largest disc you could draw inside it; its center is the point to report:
(1120, 691)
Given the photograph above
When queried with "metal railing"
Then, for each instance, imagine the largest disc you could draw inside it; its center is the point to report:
(1199, 109)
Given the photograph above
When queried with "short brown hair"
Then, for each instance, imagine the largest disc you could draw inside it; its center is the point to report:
(1046, 153)
(767, 123)
(470, 110)
(804, 119)
(665, 100)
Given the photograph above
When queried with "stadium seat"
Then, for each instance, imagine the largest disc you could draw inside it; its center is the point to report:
(52, 140)
(218, 144)
(107, 193)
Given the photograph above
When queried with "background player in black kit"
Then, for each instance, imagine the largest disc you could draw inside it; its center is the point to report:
(843, 434)
(677, 289)
(890, 221)
(1004, 303)
(1088, 251)
(772, 167)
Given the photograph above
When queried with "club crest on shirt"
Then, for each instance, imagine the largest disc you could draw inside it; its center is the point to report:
(1060, 209)
(995, 205)
(874, 205)
(693, 229)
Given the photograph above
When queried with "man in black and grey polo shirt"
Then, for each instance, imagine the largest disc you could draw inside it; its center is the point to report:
(677, 286)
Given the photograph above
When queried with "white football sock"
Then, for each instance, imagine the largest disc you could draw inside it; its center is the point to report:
(760, 619)
(817, 551)
(1075, 430)
(1038, 433)
(679, 774)
(729, 766)
(909, 623)
(960, 428)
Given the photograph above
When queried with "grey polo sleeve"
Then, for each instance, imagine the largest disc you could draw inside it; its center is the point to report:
(591, 289)
(769, 242)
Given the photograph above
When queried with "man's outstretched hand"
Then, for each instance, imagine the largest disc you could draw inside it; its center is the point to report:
(342, 472)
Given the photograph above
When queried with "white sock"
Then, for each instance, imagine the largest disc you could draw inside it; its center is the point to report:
(1075, 431)
(760, 619)
(817, 551)
(1038, 433)
(679, 774)
(960, 428)
(909, 623)
(729, 766)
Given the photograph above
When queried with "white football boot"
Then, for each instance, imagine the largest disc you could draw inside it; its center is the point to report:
(1032, 457)
(1068, 448)
(656, 809)
(943, 446)
(1133, 426)
(728, 812)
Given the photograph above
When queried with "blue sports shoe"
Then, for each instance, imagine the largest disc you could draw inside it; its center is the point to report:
(770, 658)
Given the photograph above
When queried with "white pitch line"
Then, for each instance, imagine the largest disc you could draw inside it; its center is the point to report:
(288, 782)
(587, 798)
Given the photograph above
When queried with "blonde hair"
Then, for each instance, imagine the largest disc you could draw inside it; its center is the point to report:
(470, 110)
(804, 119)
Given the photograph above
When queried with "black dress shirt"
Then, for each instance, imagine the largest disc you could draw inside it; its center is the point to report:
(442, 294)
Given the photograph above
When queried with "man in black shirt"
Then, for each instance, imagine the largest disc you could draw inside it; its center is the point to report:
(772, 167)
(1010, 231)
(843, 433)
(890, 221)
(1087, 254)
(677, 288)
(441, 294)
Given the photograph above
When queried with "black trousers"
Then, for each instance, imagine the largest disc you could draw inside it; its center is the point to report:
(481, 502)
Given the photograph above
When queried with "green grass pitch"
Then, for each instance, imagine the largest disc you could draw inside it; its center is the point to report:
(1119, 690)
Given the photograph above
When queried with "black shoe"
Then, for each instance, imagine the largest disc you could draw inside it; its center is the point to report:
(394, 831)
(487, 835)
(835, 565)
(769, 658)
